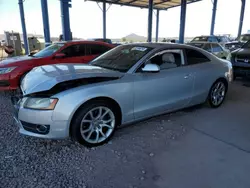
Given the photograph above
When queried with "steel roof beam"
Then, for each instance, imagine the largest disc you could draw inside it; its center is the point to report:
(25, 38)
(243, 3)
(182, 21)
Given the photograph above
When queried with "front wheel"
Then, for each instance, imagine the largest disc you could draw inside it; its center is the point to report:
(217, 94)
(94, 124)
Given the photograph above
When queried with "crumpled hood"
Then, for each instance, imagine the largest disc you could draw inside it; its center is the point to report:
(43, 78)
(12, 60)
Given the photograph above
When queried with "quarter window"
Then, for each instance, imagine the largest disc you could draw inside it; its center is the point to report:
(195, 57)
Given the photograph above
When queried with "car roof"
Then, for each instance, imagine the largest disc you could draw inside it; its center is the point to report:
(159, 45)
(82, 42)
(203, 42)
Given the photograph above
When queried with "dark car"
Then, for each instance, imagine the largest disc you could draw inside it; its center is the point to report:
(212, 47)
(211, 38)
(238, 42)
(240, 59)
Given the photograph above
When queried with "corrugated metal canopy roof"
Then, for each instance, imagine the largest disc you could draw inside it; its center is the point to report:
(158, 4)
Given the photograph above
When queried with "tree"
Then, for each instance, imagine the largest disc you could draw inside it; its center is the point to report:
(124, 39)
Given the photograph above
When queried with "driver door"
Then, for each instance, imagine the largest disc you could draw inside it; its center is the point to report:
(169, 89)
(73, 54)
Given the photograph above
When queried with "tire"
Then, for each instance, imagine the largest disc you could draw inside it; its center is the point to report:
(83, 124)
(217, 93)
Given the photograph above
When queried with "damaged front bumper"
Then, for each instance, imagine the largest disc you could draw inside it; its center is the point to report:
(37, 123)
(15, 100)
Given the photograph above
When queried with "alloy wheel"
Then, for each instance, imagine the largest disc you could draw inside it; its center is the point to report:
(218, 93)
(97, 124)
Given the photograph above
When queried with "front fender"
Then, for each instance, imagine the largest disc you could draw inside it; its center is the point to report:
(70, 100)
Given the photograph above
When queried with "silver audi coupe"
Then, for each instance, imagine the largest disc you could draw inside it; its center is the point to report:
(87, 102)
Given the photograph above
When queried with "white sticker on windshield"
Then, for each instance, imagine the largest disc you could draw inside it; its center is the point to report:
(142, 49)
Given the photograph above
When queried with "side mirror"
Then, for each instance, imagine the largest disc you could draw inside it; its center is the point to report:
(59, 55)
(151, 68)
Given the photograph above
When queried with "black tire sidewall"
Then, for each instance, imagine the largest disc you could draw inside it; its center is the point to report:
(76, 122)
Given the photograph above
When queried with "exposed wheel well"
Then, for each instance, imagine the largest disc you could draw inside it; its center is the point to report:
(106, 99)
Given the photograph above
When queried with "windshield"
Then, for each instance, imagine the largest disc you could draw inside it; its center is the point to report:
(121, 58)
(48, 51)
(199, 45)
(200, 39)
(244, 38)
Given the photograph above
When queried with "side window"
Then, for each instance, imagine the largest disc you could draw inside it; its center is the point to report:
(212, 39)
(216, 48)
(95, 49)
(74, 50)
(207, 47)
(167, 60)
(195, 57)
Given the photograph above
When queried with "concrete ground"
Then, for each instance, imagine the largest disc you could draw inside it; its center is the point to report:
(197, 147)
(215, 153)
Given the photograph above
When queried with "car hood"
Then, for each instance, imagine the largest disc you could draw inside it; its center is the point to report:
(242, 53)
(13, 60)
(44, 78)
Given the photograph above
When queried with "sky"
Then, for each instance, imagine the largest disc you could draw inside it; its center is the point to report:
(86, 19)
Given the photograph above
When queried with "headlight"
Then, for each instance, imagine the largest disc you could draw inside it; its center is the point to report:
(6, 70)
(229, 56)
(39, 103)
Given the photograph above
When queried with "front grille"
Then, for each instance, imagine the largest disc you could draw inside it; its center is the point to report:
(242, 59)
(36, 128)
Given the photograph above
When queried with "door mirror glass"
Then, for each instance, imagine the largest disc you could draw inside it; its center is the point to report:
(59, 55)
(151, 68)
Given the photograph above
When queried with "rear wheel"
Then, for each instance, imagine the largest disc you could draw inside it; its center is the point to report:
(94, 124)
(217, 93)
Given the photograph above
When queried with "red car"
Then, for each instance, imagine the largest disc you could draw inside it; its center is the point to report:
(13, 69)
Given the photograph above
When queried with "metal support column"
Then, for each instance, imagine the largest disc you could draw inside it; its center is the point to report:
(157, 25)
(243, 3)
(45, 15)
(25, 39)
(65, 5)
(150, 20)
(213, 17)
(104, 19)
(182, 20)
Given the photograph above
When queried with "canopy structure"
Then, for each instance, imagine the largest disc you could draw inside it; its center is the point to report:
(157, 4)
(150, 5)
